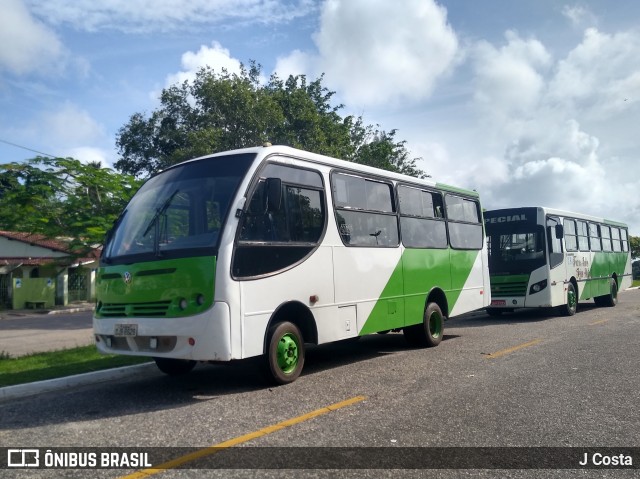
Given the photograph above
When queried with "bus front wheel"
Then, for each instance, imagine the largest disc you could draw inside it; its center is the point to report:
(285, 352)
(174, 367)
(570, 308)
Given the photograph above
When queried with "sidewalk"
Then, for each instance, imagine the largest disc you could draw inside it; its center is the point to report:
(70, 308)
(27, 331)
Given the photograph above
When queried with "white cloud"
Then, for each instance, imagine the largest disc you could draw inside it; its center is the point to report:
(216, 57)
(579, 15)
(27, 45)
(376, 52)
(564, 125)
(69, 124)
(297, 63)
(166, 15)
(510, 79)
(90, 154)
(601, 75)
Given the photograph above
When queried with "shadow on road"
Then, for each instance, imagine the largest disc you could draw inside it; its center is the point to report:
(207, 382)
(519, 316)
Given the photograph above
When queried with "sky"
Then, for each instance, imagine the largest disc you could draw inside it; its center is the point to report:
(528, 102)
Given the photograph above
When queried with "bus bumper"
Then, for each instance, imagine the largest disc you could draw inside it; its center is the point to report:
(202, 337)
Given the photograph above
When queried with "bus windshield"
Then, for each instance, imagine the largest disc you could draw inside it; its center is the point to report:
(515, 250)
(178, 212)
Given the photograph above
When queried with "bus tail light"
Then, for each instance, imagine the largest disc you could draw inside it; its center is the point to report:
(192, 342)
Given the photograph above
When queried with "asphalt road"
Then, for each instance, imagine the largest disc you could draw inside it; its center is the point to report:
(525, 379)
(26, 333)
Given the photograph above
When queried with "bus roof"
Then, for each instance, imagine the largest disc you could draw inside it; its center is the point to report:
(263, 152)
(557, 212)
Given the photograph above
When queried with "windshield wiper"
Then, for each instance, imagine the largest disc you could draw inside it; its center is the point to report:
(159, 212)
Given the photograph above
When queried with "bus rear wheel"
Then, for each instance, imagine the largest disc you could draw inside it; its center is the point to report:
(174, 367)
(610, 299)
(430, 332)
(285, 352)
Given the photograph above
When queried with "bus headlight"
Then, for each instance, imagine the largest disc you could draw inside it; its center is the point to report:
(537, 287)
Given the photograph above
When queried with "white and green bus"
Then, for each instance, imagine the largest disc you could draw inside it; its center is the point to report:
(256, 252)
(543, 258)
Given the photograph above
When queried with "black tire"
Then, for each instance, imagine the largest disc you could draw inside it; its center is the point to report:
(494, 312)
(571, 305)
(430, 332)
(285, 353)
(174, 367)
(610, 299)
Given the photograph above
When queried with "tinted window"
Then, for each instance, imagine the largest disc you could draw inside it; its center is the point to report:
(594, 237)
(365, 211)
(465, 230)
(554, 244)
(367, 229)
(418, 223)
(615, 238)
(625, 240)
(300, 218)
(355, 192)
(178, 212)
(421, 203)
(583, 236)
(570, 238)
(606, 238)
(272, 239)
(462, 209)
(423, 233)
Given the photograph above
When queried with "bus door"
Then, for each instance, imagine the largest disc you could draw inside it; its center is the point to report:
(557, 266)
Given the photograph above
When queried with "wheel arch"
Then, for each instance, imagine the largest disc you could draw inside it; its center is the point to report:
(436, 295)
(297, 313)
(574, 282)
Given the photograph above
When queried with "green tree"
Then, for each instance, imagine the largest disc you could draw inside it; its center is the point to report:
(62, 197)
(634, 245)
(224, 111)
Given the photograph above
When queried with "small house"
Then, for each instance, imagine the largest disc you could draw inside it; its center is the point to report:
(40, 272)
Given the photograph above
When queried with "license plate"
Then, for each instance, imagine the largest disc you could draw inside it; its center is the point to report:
(126, 330)
(498, 302)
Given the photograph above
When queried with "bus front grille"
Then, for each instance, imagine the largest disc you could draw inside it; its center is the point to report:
(508, 289)
(133, 310)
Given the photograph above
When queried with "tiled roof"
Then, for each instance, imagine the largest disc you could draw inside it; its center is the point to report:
(37, 240)
(44, 242)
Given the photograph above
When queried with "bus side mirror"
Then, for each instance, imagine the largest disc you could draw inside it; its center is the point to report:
(559, 231)
(273, 191)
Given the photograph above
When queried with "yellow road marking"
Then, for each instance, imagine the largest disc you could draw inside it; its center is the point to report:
(503, 352)
(599, 322)
(207, 451)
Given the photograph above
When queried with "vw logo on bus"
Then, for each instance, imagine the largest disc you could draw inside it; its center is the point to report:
(127, 277)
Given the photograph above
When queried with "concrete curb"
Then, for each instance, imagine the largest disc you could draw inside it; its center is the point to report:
(79, 309)
(31, 389)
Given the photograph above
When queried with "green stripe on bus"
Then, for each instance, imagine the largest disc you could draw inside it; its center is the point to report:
(403, 299)
(602, 268)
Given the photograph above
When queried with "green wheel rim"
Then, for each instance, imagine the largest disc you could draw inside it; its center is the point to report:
(571, 299)
(435, 325)
(288, 353)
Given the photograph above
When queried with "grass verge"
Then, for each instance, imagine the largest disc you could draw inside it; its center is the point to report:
(58, 364)
(636, 282)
